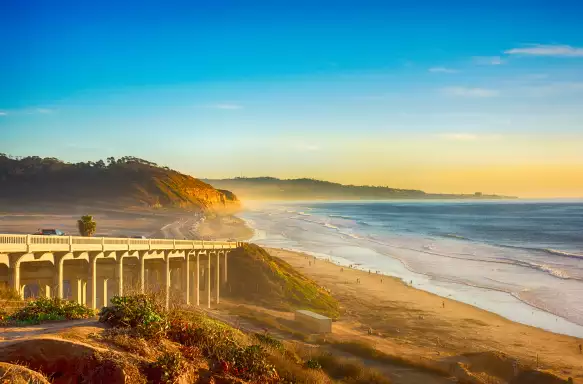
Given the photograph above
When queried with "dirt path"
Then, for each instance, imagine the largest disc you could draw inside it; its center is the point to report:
(11, 334)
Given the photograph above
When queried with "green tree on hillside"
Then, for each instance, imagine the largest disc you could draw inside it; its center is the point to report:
(86, 225)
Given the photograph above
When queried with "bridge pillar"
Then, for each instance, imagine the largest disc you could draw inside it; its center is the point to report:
(186, 277)
(142, 266)
(208, 280)
(166, 278)
(197, 279)
(76, 290)
(218, 277)
(225, 268)
(92, 282)
(119, 274)
(15, 275)
(60, 283)
(104, 292)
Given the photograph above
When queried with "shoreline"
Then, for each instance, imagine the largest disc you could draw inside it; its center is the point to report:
(498, 302)
(412, 321)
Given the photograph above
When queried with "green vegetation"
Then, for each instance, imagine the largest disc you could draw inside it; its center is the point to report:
(143, 313)
(45, 309)
(168, 367)
(256, 358)
(265, 280)
(270, 341)
(86, 225)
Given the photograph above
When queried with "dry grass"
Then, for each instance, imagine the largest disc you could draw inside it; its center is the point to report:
(348, 370)
(20, 374)
(369, 352)
(264, 319)
(127, 340)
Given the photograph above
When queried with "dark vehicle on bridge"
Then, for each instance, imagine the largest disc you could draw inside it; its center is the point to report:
(50, 232)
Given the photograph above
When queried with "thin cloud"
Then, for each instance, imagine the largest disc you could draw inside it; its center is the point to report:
(470, 92)
(463, 136)
(43, 110)
(442, 70)
(306, 147)
(554, 89)
(225, 106)
(27, 111)
(547, 50)
(488, 60)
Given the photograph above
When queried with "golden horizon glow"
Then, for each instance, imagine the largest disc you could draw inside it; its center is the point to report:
(526, 166)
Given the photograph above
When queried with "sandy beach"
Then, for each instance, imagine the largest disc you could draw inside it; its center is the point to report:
(413, 323)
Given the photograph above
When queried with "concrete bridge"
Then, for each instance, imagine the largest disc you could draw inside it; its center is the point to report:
(91, 270)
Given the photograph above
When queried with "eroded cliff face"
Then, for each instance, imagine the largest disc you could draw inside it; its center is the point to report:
(133, 182)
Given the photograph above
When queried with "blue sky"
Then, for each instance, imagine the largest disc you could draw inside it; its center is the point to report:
(298, 88)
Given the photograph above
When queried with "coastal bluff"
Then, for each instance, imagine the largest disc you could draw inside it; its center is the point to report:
(126, 182)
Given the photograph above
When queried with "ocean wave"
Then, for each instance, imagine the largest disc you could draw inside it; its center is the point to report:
(304, 214)
(554, 271)
(342, 217)
(328, 225)
(454, 236)
(354, 236)
(545, 250)
(563, 253)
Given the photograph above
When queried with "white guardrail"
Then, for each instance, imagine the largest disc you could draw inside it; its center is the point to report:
(39, 243)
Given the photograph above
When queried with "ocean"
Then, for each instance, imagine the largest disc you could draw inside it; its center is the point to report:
(520, 259)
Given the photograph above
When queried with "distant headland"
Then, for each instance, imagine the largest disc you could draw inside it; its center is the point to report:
(272, 188)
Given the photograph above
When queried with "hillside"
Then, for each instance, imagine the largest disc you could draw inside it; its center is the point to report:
(126, 182)
(262, 279)
(310, 189)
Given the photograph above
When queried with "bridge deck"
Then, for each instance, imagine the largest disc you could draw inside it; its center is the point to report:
(39, 243)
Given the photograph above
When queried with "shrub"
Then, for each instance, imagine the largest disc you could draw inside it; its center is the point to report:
(3, 316)
(167, 367)
(313, 364)
(270, 341)
(224, 344)
(50, 309)
(140, 312)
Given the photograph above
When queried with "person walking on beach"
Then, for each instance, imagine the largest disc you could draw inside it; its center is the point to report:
(443, 304)
(580, 349)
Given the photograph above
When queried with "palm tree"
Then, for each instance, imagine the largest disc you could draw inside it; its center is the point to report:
(86, 225)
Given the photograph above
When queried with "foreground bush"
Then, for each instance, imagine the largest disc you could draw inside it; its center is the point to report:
(140, 312)
(50, 309)
(224, 344)
(167, 368)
